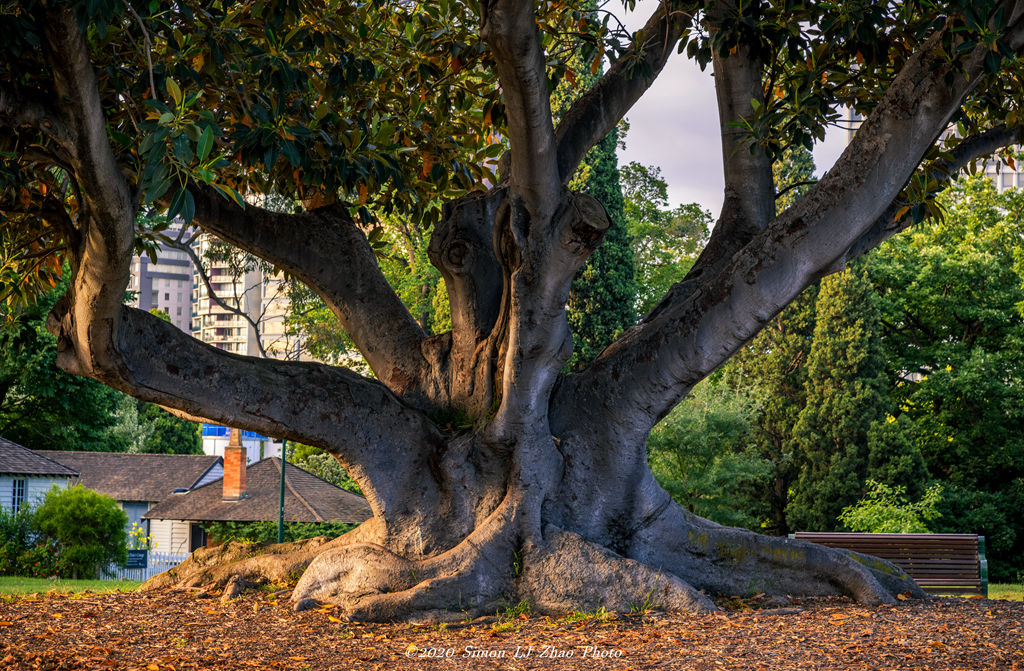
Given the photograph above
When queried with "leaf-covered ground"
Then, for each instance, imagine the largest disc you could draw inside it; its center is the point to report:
(182, 630)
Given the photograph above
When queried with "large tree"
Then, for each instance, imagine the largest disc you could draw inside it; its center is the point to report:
(547, 495)
(953, 309)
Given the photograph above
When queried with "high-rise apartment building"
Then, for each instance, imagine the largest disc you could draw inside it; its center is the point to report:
(250, 312)
(165, 285)
(245, 310)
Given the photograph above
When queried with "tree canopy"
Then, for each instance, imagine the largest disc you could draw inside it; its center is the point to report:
(490, 472)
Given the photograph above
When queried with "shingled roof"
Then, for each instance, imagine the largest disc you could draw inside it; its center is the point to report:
(135, 477)
(307, 499)
(18, 460)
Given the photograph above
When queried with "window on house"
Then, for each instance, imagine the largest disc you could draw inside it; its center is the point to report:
(18, 494)
(167, 297)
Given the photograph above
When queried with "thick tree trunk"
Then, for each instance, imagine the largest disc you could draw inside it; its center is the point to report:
(594, 537)
(547, 498)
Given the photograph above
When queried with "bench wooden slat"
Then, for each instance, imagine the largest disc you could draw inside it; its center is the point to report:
(940, 563)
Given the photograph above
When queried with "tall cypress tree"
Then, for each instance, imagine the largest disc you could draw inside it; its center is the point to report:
(845, 394)
(773, 366)
(601, 302)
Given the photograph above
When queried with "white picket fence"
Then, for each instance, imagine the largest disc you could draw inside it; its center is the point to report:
(158, 563)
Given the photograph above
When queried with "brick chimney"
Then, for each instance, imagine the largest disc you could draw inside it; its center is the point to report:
(234, 468)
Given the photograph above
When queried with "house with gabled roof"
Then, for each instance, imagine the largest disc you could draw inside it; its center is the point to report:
(253, 494)
(307, 498)
(140, 481)
(26, 476)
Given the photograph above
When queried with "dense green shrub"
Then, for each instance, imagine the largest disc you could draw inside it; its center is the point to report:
(886, 510)
(262, 532)
(89, 527)
(16, 527)
(24, 551)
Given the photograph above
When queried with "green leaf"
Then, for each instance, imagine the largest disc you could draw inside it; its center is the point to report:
(182, 148)
(205, 144)
(188, 208)
(174, 90)
(158, 190)
(176, 204)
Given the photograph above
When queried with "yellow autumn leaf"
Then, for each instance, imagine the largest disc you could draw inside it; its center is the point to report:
(174, 90)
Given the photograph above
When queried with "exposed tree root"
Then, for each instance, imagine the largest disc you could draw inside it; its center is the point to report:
(371, 583)
(570, 573)
(725, 560)
(672, 564)
(247, 563)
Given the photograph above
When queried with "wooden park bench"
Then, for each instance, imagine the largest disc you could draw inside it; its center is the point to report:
(939, 563)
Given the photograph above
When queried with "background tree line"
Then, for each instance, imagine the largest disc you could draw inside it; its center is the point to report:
(43, 408)
(891, 390)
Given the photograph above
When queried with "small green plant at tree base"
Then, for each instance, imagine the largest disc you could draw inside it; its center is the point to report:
(88, 526)
(886, 510)
(510, 619)
(645, 606)
(598, 615)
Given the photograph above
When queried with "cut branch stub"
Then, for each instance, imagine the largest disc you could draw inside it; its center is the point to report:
(587, 225)
(462, 248)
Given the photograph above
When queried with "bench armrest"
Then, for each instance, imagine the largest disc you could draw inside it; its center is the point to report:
(983, 566)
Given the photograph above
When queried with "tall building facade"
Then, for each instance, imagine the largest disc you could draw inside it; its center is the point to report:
(165, 285)
(249, 311)
(243, 289)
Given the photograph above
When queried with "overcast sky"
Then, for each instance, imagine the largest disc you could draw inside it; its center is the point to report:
(674, 126)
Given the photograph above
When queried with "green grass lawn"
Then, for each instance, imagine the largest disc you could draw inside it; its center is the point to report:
(13, 585)
(1006, 591)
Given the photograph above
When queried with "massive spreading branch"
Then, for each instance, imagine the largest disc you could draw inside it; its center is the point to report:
(491, 475)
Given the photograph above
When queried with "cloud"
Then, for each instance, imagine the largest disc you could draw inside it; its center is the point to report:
(674, 126)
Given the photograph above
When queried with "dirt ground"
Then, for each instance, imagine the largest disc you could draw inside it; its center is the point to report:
(178, 630)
